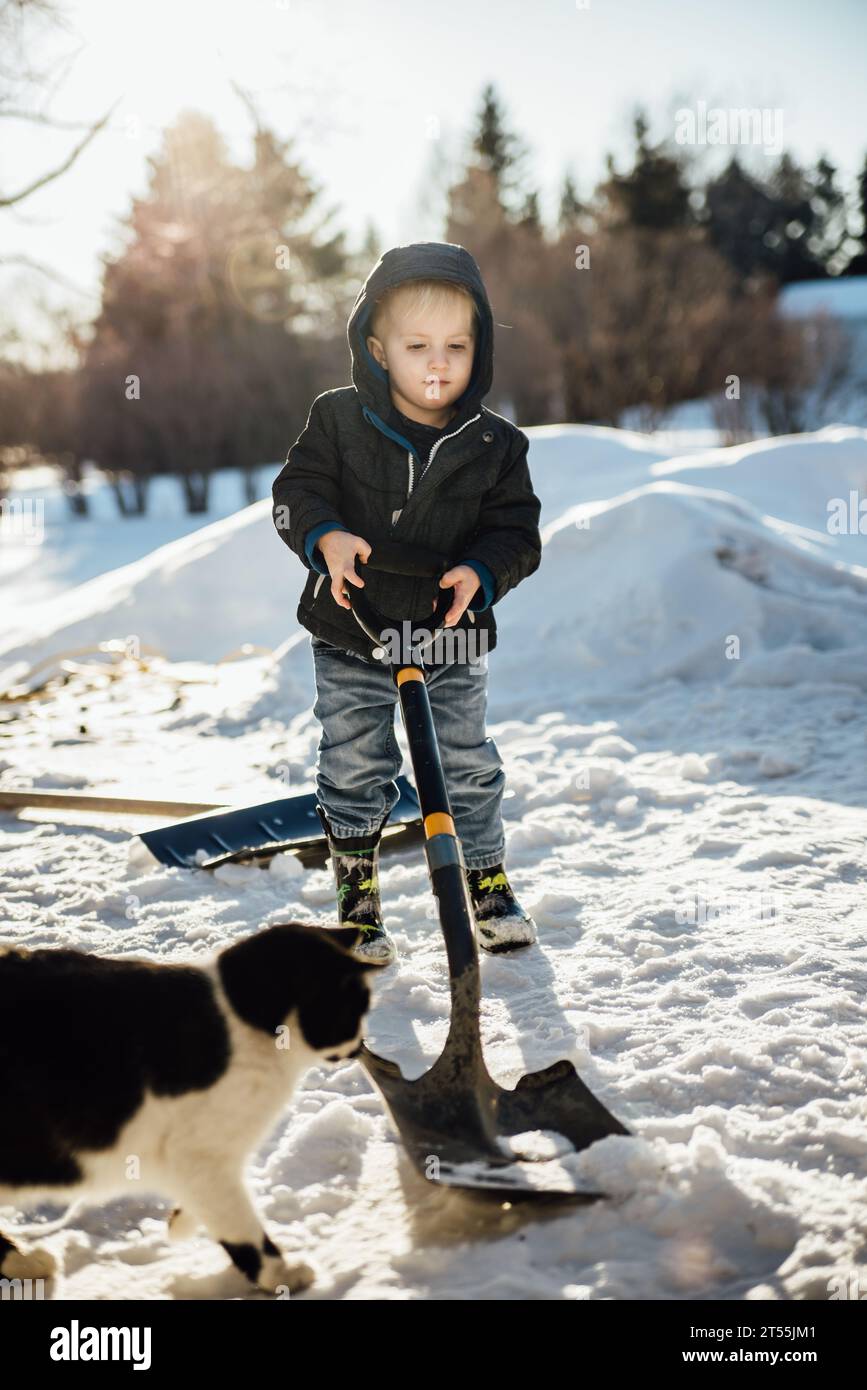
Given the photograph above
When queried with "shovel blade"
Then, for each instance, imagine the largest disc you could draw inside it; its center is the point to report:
(458, 1135)
(250, 832)
(555, 1099)
(438, 1123)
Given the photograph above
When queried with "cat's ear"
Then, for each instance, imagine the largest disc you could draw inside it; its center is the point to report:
(347, 937)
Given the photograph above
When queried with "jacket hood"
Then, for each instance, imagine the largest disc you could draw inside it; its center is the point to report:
(420, 260)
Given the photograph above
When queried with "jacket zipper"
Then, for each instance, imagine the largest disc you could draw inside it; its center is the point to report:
(451, 436)
(411, 466)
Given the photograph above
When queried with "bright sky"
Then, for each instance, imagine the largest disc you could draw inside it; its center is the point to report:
(376, 90)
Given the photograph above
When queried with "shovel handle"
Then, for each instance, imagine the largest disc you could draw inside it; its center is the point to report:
(374, 624)
(442, 846)
(397, 557)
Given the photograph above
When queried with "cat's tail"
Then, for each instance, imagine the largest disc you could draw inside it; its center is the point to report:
(46, 1228)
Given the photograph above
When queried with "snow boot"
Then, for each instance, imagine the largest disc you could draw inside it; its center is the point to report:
(355, 860)
(502, 923)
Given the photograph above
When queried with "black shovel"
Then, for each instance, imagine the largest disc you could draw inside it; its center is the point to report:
(458, 1125)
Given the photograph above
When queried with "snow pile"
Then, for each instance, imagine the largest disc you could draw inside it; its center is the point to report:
(675, 557)
(804, 480)
(198, 597)
(46, 551)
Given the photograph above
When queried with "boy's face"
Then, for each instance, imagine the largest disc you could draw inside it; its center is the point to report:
(428, 357)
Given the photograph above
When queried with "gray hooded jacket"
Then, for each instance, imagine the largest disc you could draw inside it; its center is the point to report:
(351, 467)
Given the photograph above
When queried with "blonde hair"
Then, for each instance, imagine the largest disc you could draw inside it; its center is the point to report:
(421, 296)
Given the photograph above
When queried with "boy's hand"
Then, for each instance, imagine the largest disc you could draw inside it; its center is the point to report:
(339, 549)
(464, 580)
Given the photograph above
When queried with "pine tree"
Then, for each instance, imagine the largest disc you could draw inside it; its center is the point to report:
(737, 212)
(653, 193)
(790, 224)
(530, 216)
(498, 150)
(858, 264)
(571, 209)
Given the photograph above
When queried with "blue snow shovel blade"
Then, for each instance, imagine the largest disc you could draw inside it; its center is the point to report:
(257, 831)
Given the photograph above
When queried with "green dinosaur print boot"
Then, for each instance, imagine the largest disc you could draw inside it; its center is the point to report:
(355, 860)
(502, 923)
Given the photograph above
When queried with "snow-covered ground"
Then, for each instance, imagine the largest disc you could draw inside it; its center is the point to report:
(679, 696)
(45, 551)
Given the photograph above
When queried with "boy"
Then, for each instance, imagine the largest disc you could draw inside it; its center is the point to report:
(409, 453)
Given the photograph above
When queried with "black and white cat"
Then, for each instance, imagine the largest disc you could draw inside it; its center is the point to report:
(173, 1073)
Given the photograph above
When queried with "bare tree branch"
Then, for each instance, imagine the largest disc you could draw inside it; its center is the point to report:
(41, 118)
(19, 258)
(43, 179)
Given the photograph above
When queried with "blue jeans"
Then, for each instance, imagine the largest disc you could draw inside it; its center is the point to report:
(359, 756)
